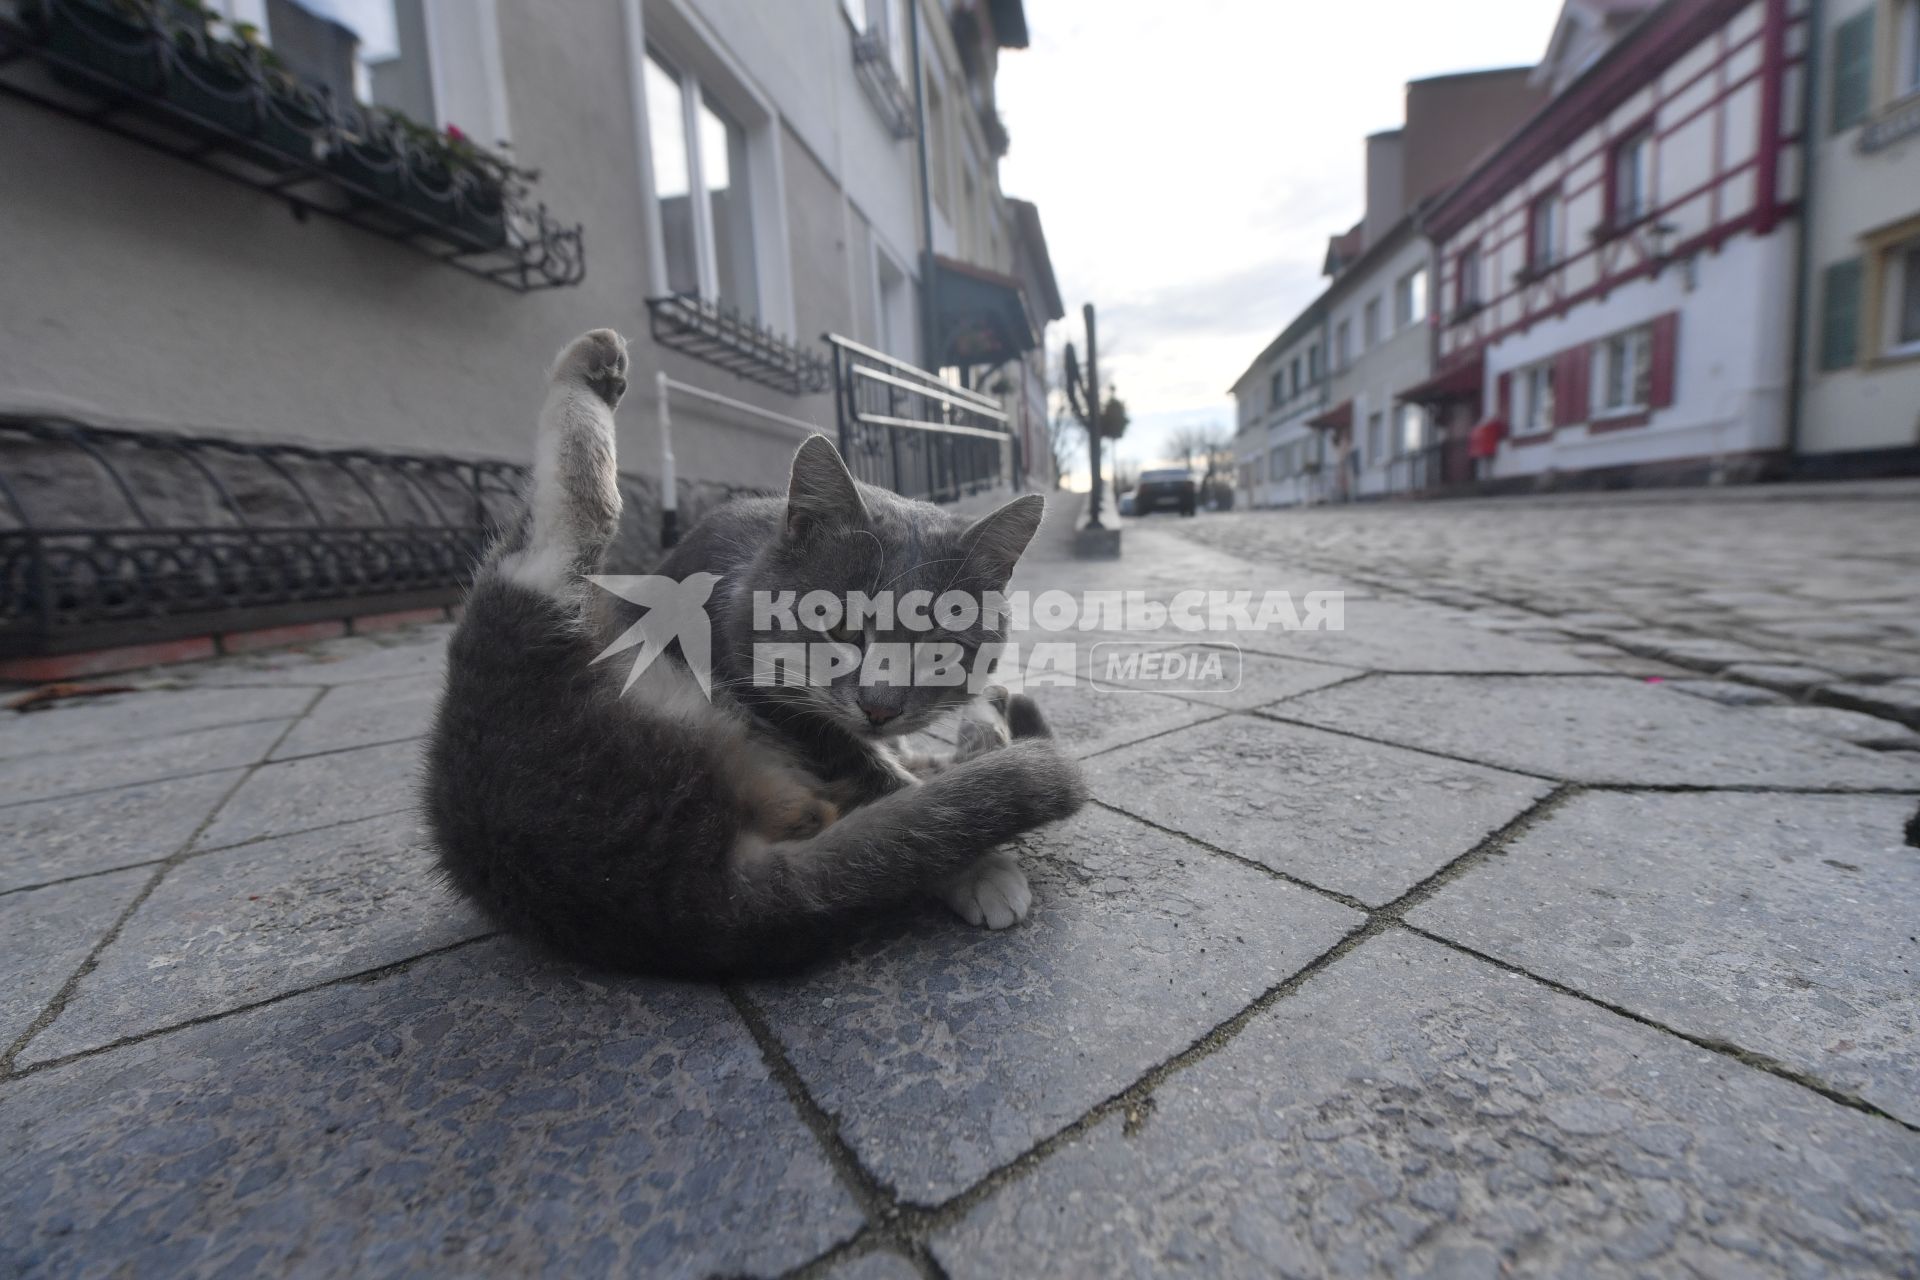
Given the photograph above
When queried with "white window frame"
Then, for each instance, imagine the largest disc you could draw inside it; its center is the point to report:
(1633, 170)
(1544, 250)
(689, 44)
(1342, 344)
(1634, 343)
(1906, 50)
(1529, 383)
(1898, 279)
(1370, 322)
(1405, 313)
(466, 68)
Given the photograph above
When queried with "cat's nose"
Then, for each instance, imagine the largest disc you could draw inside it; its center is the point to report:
(878, 716)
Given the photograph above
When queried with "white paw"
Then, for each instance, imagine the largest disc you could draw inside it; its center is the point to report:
(992, 893)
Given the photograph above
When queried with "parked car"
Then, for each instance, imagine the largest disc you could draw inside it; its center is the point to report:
(1126, 503)
(1173, 487)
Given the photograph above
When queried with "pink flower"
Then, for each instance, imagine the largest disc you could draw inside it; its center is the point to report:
(456, 133)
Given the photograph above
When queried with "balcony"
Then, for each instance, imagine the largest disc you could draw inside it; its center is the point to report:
(728, 340)
(156, 74)
(874, 65)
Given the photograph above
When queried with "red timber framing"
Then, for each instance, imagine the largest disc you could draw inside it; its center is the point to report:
(1567, 152)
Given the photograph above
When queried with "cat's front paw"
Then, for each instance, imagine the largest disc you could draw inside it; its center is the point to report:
(596, 360)
(990, 894)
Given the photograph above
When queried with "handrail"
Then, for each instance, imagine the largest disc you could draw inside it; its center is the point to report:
(944, 394)
(984, 402)
(936, 428)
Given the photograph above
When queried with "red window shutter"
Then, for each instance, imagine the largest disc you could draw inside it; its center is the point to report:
(1566, 378)
(1666, 343)
(1576, 375)
(1503, 398)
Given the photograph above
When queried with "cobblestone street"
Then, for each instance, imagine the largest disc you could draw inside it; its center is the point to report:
(1555, 917)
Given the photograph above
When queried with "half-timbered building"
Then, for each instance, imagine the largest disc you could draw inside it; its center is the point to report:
(1615, 284)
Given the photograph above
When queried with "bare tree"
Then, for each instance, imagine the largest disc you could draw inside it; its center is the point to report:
(1207, 443)
(1063, 438)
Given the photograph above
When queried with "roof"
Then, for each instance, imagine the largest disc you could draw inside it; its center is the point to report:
(1027, 215)
(1657, 41)
(1344, 249)
(1009, 23)
(1312, 315)
(1395, 237)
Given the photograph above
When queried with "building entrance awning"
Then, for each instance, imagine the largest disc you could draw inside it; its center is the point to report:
(1338, 418)
(979, 316)
(1462, 382)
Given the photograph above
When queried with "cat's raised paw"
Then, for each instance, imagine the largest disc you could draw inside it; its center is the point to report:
(990, 894)
(596, 360)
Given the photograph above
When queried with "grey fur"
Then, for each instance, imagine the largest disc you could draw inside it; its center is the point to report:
(656, 832)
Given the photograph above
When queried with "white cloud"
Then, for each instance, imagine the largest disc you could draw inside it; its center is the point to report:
(1190, 161)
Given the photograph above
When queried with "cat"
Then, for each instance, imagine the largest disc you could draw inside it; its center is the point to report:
(653, 829)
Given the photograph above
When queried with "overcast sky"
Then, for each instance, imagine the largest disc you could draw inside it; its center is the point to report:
(1191, 160)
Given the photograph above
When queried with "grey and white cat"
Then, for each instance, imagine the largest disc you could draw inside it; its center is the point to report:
(656, 830)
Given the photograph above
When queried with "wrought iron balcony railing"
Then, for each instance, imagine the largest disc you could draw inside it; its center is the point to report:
(111, 537)
(873, 63)
(150, 72)
(724, 338)
(905, 429)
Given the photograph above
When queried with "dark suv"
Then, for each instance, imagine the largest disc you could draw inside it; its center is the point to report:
(1171, 488)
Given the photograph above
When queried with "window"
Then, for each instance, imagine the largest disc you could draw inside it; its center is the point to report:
(1906, 49)
(1632, 178)
(938, 152)
(1410, 299)
(1903, 297)
(1376, 436)
(1278, 387)
(1623, 373)
(1343, 344)
(1411, 437)
(1840, 314)
(706, 241)
(1298, 385)
(1466, 285)
(1533, 413)
(1543, 232)
(1370, 324)
(1277, 463)
(1313, 363)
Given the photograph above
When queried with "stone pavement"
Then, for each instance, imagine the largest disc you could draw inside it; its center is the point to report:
(1484, 937)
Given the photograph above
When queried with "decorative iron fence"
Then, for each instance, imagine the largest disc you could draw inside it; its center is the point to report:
(112, 537)
(904, 429)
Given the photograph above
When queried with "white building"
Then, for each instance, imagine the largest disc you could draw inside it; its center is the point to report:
(1277, 455)
(1860, 410)
(1616, 280)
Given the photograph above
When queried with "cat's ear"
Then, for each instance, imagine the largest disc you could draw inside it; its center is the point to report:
(994, 541)
(820, 493)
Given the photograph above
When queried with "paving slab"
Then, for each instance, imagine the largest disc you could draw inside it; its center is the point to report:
(881, 1265)
(1604, 729)
(338, 786)
(1089, 720)
(943, 1052)
(1856, 727)
(42, 777)
(48, 932)
(1898, 700)
(478, 1113)
(1356, 817)
(1780, 923)
(237, 926)
(1411, 1111)
(364, 714)
(80, 835)
(123, 718)
(415, 651)
(1393, 635)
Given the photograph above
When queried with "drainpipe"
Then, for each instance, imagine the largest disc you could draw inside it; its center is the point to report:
(1803, 250)
(927, 358)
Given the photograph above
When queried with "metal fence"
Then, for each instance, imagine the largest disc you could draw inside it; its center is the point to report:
(112, 537)
(904, 429)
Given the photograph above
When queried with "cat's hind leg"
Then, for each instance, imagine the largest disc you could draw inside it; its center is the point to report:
(574, 505)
